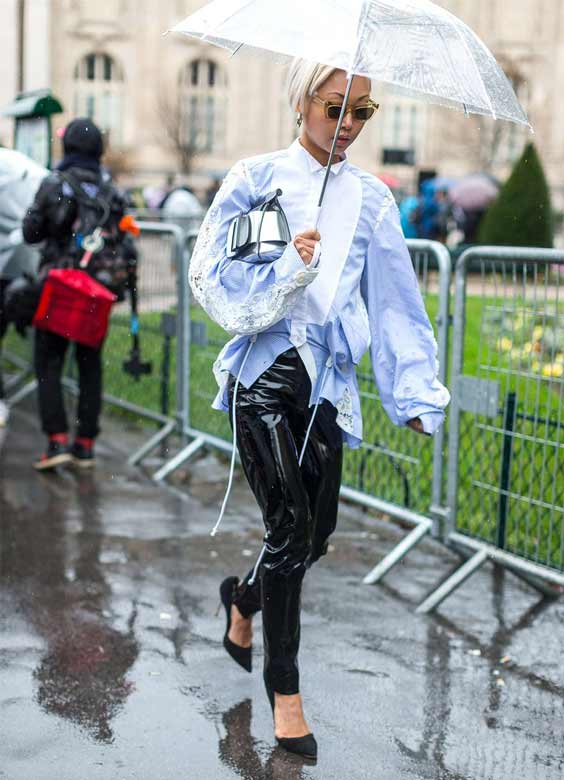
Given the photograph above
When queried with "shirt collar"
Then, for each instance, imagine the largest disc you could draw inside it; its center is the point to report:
(312, 165)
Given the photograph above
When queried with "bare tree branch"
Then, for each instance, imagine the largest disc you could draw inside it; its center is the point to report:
(176, 135)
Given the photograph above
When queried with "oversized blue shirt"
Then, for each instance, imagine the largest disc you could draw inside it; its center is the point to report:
(363, 292)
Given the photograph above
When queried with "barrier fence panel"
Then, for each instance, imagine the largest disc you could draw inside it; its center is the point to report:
(189, 225)
(506, 438)
(17, 365)
(395, 471)
(145, 385)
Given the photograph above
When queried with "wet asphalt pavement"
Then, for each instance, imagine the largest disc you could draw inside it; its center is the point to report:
(111, 663)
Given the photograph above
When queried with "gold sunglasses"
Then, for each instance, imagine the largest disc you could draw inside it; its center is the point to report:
(361, 113)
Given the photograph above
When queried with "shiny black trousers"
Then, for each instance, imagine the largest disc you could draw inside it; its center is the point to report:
(298, 504)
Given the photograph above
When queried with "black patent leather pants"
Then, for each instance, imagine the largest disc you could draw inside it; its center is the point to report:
(298, 504)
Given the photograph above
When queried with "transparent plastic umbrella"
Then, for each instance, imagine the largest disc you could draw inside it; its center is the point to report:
(415, 46)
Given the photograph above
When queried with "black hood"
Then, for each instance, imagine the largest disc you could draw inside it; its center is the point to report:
(83, 138)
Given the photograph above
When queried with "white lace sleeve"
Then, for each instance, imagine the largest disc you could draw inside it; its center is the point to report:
(242, 297)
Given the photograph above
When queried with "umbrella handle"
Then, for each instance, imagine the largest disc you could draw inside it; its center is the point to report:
(350, 79)
(317, 217)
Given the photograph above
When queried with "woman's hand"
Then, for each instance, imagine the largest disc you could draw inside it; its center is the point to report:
(305, 244)
(416, 425)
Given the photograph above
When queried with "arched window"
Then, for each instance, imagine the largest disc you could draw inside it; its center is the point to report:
(99, 93)
(203, 98)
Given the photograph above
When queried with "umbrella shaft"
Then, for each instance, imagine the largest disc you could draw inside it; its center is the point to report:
(350, 79)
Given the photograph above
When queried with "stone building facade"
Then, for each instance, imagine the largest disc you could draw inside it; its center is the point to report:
(172, 105)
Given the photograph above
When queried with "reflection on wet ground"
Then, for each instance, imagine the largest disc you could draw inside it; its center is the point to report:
(111, 662)
(81, 674)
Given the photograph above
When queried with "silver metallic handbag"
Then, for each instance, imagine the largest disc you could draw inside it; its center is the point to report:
(261, 230)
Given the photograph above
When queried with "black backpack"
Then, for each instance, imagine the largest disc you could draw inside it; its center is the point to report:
(98, 246)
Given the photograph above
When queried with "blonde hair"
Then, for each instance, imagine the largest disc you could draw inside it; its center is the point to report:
(304, 79)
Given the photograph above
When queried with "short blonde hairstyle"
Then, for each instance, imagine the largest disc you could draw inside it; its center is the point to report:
(304, 79)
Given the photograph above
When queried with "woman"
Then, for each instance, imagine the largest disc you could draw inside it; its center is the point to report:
(303, 320)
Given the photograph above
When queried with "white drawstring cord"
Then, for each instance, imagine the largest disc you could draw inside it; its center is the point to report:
(234, 453)
(328, 365)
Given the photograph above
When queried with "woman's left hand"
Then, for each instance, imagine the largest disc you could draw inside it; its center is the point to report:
(416, 425)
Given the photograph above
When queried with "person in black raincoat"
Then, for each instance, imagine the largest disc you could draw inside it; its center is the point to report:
(52, 219)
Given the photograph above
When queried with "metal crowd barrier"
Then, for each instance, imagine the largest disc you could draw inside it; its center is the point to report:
(500, 496)
(154, 388)
(187, 224)
(395, 471)
(506, 434)
(17, 366)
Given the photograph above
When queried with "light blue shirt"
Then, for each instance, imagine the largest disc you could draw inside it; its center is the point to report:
(362, 293)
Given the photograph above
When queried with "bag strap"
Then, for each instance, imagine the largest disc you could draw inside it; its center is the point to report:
(82, 195)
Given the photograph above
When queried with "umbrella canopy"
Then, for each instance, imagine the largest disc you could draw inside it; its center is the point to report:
(414, 46)
(20, 178)
(474, 192)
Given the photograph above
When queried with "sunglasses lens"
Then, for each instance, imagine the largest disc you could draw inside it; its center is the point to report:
(363, 113)
(334, 111)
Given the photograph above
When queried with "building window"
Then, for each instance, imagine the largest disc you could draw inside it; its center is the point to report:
(401, 124)
(203, 99)
(99, 93)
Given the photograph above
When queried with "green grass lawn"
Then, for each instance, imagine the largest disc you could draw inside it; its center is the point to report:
(395, 464)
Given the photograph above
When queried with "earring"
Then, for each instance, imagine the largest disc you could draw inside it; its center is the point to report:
(299, 120)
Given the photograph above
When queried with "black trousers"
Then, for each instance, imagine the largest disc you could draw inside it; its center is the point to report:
(299, 504)
(50, 350)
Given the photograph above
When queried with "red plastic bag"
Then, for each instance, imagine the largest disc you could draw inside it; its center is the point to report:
(75, 306)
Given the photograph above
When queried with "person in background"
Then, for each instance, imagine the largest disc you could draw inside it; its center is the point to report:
(54, 219)
(408, 214)
(442, 218)
(212, 191)
(20, 178)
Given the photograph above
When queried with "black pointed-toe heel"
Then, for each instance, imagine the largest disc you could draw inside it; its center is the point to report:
(242, 655)
(306, 746)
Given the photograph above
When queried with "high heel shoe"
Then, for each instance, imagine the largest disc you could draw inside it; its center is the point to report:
(242, 655)
(305, 746)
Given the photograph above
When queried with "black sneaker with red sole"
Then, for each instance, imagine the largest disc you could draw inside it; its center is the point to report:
(82, 456)
(57, 455)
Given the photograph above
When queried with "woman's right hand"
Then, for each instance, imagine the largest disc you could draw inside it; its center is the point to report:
(305, 244)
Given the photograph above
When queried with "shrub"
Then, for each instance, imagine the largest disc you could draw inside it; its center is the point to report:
(521, 215)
